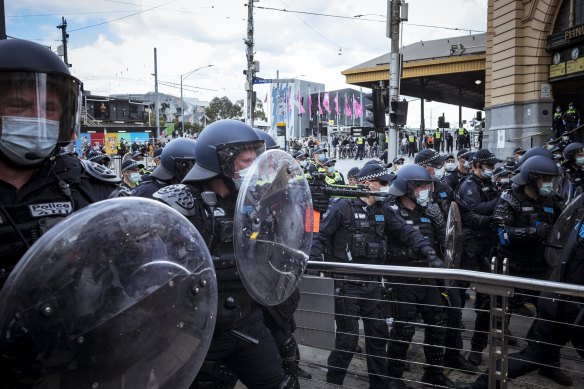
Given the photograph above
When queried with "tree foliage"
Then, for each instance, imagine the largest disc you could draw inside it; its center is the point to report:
(223, 108)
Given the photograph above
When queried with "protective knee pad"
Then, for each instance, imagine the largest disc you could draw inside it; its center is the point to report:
(289, 355)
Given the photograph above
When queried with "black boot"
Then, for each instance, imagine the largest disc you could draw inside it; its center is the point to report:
(397, 383)
(304, 374)
(437, 378)
(460, 363)
(475, 357)
(557, 375)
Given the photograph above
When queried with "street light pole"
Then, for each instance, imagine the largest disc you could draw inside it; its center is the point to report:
(182, 102)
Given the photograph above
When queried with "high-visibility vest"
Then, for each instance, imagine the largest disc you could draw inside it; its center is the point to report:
(438, 135)
(360, 140)
(461, 131)
(411, 139)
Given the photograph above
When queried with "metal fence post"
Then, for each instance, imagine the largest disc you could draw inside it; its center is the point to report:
(498, 340)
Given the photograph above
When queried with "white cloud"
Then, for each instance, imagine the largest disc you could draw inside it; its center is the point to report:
(117, 57)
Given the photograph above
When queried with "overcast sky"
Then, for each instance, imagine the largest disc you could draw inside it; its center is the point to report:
(315, 40)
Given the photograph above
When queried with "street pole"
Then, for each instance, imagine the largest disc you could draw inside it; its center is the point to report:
(182, 102)
(64, 38)
(156, 108)
(394, 71)
(250, 63)
(2, 21)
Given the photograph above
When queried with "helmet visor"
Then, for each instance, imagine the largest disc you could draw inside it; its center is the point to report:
(41, 96)
(234, 157)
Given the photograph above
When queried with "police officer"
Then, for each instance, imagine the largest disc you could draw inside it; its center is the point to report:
(360, 147)
(177, 159)
(333, 176)
(416, 229)
(433, 162)
(411, 144)
(39, 112)
(571, 117)
(480, 194)
(207, 197)
(558, 121)
(360, 225)
(573, 163)
(559, 318)
(352, 176)
(454, 178)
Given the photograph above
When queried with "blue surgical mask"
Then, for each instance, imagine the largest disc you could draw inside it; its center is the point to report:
(423, 197)
(450, 166)
(134, 178)
(303, 164)
(382, 189)
(28, 141)
(466, 164)
(487, 173)
(330, 170)
(439, 173)
(546, 189)
(321, 157)
(580, 161)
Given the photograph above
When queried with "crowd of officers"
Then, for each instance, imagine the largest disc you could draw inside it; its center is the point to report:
(398, 220)
(508, 210)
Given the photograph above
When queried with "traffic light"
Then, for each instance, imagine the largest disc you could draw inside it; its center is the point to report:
(398, 112)
(375, 110)
(441, 122)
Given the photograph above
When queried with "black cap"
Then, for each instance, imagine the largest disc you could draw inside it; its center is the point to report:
(463, 153)
(398, 160)
(429, 156)
(300, 155)
(131, 164)
(485, 156)
(329, 162)
(156, 153)
(519, 151)
(353, 172)
(373, 171)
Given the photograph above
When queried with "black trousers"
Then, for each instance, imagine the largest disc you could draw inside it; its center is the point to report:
(411, 300)
(353, 301)
(257, 366)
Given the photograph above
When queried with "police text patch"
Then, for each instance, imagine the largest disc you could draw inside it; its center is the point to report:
(48, 209)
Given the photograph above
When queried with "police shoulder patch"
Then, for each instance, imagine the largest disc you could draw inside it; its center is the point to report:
(99, 172)
(178, 197)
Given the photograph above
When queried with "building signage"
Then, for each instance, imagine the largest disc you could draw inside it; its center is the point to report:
(558, 70)
(575, 66)
(575, 32)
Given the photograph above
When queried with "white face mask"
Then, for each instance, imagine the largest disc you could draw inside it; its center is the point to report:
(303, 164)
(466, 164)
(450, 166)
(134, 178)
(383, 189)
(28, 141)
(423, 197)
(239, 181)
(439, 173)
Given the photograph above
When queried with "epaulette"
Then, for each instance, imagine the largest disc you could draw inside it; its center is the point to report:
(509, 198)
(179, 197)
(99, 172)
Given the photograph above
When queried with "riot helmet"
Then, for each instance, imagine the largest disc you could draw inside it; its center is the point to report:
(40, 103)
(225, 148)
(533, 152)
(268, 139)
(540, 173)
(176, 160)
(408, 179)
(572, 151)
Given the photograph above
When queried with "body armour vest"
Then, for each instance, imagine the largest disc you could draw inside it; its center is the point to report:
(400, 254)
(362, 239)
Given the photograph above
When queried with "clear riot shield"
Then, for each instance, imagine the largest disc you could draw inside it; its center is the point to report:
(454, 238)
(273, 227)
(560, 233)
(121, 294)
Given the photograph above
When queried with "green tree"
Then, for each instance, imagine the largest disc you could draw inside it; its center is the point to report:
(259, 112)
(223, 108)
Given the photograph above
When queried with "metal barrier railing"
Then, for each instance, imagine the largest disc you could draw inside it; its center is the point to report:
(315, 319)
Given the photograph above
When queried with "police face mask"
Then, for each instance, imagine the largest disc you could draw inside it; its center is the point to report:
(303, 164)
(487, 173)
(565, 138)
(134, 178)
(467, 164)
(546, 189)
(580, 161)
(423, 197)
(28, 141)
(321, 157)
(330, 170)
(239, 181)
(382, 189)
(450, 166)
(439, 173)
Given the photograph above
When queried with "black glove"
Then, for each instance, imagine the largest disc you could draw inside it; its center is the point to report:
(434, 260)
(542, 231)
(320, 202)
(495, 222)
